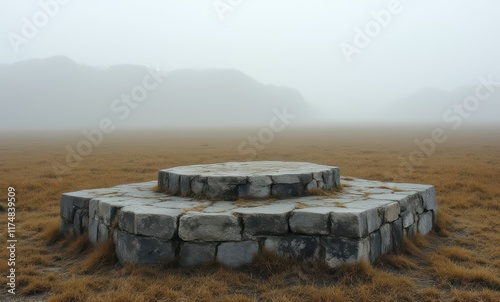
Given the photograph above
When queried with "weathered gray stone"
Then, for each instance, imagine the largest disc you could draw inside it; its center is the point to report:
(257, 187)
(93, 207)
(336, 177)
(350, 223)
(287, 190)
(429, 198)
(235, 254)
(328, 179)
(77, 222)
(226, 188)
(185, 185)
(312, 221)
(229, 181)
(93, 230)
(174, 182)
(313, 184)
(293, 245)
(391, 212)
(265, 220)
(70, 202)
(425, 223)
(162, 180)
(386, 244)
(142, 250)
(354, 222)
(362, 221)
(107, 208)
(411, 231)
(375, 245)
(373, 220)
(397, 234)
(286, 179)
(195, 226)
(103, 233)
(194, 254)
(153, 221)
(429, 201)
(126, 220)
(408, 218)
(412, 203)
(198, 185)
(345, 251)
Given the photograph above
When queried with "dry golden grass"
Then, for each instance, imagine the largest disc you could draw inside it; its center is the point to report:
(459, 262)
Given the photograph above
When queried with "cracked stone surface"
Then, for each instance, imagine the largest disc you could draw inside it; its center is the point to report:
(361, 221)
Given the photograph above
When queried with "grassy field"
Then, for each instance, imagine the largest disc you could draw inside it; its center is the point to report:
(460, 261)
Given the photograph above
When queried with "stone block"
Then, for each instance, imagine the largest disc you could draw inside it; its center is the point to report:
(375, 245)
(429, 198)
(265, 220)
(142, 250)
(194, 254)
(93, 207)
(93, 230)
(345, 250)
(286, 179)
(196, 226)
(198, 185)
(408, 218)
(293, 245)
(391, 212)
(287, 190)
(411, 231)
(328, 179)
(174, 182)
(103, 233)
(425, 223)
(386, 244)
(162, 180)
(257, 187)
(78, 225)
(126, 220)
(185, 185)
(354, 222)
(224, 187)
(155, 222)
(397, 234)
(67, 208)
(107, 208)
(311, 221)
(235, 254)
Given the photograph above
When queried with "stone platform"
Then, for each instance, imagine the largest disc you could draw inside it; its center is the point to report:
(264, 179)
(360, 220)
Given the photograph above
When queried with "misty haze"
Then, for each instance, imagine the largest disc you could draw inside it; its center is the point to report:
(233, 150)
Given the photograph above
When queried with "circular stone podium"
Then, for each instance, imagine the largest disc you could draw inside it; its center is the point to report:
(229, 212)
(234, 180)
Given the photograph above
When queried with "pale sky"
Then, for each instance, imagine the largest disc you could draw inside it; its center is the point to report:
(439, 44)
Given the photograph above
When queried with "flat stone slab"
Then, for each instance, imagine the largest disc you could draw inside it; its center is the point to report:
(362, 220)
(257, 180)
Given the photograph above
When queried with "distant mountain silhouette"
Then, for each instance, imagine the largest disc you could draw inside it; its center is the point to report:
(58, 93)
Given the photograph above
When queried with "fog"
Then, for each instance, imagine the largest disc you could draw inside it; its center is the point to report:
(360, 62)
